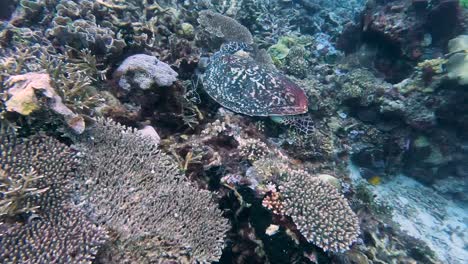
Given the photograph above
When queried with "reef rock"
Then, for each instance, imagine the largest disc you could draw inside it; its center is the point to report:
(143, 71)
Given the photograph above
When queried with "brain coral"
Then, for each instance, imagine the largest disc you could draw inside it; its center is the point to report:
(38, 222)
(319, 211)
(137, 191)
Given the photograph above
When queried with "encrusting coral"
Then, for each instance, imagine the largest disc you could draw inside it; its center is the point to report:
(38, 221)
(134, 189)
(319, 211)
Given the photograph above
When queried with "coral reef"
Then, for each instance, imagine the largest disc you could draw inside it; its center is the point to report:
(408, 32)
(181, 179)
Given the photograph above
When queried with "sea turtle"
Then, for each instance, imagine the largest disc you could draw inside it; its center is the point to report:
(241, 84)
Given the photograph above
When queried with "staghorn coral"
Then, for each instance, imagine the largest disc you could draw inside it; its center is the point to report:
(319, 211)
(14, 191)
(137, 191)
(224, 27)
(36, 184)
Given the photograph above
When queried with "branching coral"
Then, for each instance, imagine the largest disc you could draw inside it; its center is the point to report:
(252, 149)
(14, 191)
(137, 191)
(71, 80)
(40, 165)
(61, 236)
(319, 211)
(36, 183)
(267, 19)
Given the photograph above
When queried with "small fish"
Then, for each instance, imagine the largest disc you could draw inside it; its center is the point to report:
(370, 176)
(375, 180)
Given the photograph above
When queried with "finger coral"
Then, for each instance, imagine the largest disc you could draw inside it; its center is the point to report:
(320, 212)
(137, 191)
(38, 222)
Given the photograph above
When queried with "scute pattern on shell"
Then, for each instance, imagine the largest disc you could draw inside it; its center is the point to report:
(244, 86)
